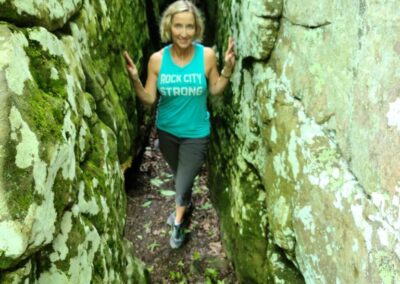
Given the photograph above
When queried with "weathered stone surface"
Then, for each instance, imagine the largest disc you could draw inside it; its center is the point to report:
(309, 134)
(51, 14)
(68, 121)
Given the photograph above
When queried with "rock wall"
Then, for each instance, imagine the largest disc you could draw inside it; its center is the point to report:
(68, 127)
(304, 161)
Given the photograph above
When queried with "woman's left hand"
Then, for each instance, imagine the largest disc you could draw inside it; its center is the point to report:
(230, 59)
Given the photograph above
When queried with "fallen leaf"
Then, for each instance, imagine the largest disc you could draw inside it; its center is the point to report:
(156, 182)
(147, 204)
(167, 192)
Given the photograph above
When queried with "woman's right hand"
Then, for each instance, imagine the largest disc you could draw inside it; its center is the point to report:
(230, 57)
(131, 67)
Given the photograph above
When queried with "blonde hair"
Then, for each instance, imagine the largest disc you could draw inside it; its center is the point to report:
(179, 7)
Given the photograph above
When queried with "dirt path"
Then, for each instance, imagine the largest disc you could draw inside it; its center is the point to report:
(150, 201)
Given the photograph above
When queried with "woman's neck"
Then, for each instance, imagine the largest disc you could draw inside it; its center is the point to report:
(182, 53)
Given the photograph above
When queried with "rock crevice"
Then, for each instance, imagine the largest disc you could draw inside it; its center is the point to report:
(308, 26)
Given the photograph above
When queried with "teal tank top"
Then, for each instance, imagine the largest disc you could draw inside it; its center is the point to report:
(182, 108)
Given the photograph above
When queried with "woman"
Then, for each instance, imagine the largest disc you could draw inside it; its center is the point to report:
(183, 72)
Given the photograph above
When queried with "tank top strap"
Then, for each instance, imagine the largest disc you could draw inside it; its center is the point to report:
(198, 59)
(166, 60)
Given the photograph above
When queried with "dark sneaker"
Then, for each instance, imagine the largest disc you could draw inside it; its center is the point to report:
(177, 237)
(186, 216)
(171, 219)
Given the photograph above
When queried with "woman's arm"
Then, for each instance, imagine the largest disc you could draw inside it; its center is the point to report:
(216, 82)
(147, 95)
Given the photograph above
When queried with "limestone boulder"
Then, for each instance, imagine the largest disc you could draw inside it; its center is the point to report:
(51, 14)
(309, 131)
(69, 125)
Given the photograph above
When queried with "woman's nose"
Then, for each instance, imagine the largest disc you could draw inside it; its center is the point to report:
(184, 32)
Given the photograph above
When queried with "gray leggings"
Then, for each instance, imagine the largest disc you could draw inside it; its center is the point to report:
(185, 156)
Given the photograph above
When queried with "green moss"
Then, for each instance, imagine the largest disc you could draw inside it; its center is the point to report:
(386, 266)
(63, 193)
(5, 262)
(42, 63)
(103, 257)
(244, 242)
(23, 273)
(43, 113)
(256, 258)
(75, 237)
(281, 267)
(107, 62)
(19, 184)
(43, 108)
(99, 165)
(96, 151)
(90, 172)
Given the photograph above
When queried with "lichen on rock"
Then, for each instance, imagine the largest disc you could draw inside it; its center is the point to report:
(62, 199)
(313, 113)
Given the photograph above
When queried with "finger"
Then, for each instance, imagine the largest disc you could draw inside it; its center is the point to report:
(229, 56)
(126, 54)
(231, 60)
(229, 53)
(128, 58)
(230, 44)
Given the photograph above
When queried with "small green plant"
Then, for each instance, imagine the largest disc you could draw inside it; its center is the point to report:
(157, 182)
(179, 276)
(206, 206)
(167, 193)
(166, 175)
(150, 269)
(197, 189)
(175, 275)
(147, 204)
(180, 264)
(147, 227)
(153, 246)
(211, 275)
(196, 256)
(211, 232)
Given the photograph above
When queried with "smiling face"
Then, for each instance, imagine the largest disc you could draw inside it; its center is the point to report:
(183, 29)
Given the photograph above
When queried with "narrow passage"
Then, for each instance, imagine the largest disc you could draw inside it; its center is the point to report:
(150, 201)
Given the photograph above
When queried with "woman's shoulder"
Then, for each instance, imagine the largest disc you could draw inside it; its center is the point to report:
(209, 52)
(210, 59)
(157, 56)
(155, 60)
